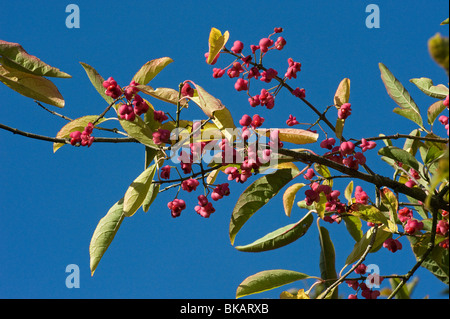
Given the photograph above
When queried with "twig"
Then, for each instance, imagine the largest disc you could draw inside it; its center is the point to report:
(63, 140)
(359, 262)
(422, 258)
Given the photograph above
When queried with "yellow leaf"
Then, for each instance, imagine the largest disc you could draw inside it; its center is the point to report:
(216, 43)
(289, 197)
(292, 135)
(342, 94)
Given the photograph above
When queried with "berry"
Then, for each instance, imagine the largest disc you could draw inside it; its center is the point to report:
(253, 73)
(161, 136)
(280, 43)
(140, 106)
(112, 89)
(445, 102)
(347, 148)
(264, 44)
(126, 112)
(245, 120)
(131, 90)
(367, 145)
(204, 208)
(165, 172)
(278, 30)
(300, 93)
(328, 143)
(241, 85)
(293, 68)
(235, 70)
(176, 206)
(361, 269)
(268, 75)
(190, 185)
(217, 73)
(392, 245)
(412, 226)
(237, 47)
(405, 214)
(187, 90)
(442, 227)
(159, 116)
(345, 111)
(254, 101)
(361, 196)
(257, 121)
(309, 174)
(292, 120)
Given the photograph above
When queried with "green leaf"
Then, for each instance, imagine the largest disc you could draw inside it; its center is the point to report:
(353, 225)
(216, 43)
(324, 171)
(389, 200)
(360, 247)
(400, 155)
(151, 69)
(213, 108)
(104, 234)
(342, 94)
(267, 280)
(438, 46)
(289, 197)
(76, 125)
(442, 174)
(426, 86)
(15, 56)
(167, 95)
(348, 192)
(400, 95)
(138, 190)
(138, 130)
(368, 213)
(32, 86)
(434, 110)
(327, 260)
(445, 21)
(97, 81)
(151, 196)
(257, 195)
(280, 237)
(437, 261)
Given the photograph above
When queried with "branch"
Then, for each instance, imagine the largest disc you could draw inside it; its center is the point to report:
(420, 260)
(377, 180)
(360, 261)
(63, 140)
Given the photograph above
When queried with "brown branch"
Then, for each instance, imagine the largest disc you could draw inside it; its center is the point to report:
(377, 180)
(63, 140)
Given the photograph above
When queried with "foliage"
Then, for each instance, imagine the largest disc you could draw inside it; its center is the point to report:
(220, 148)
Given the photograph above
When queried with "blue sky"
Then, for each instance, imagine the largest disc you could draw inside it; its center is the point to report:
(51, 203)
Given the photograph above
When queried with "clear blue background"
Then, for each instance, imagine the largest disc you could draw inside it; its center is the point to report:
(51, 203)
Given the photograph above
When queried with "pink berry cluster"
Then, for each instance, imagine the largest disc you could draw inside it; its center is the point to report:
(245, 68)
(410, 225)
(366, 292)
(135, 105)
(204, 207)
(444, 121)
(345, 153)
(333, 206)
(83, 138)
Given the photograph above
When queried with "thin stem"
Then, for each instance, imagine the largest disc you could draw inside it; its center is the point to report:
(359, 262)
